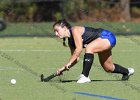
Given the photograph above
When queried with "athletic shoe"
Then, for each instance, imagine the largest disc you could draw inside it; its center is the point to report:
(131, 72)
(83, 79)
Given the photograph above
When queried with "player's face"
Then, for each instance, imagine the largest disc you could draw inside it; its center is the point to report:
(59, 31)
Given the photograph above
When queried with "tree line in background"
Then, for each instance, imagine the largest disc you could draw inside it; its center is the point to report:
(74, 10)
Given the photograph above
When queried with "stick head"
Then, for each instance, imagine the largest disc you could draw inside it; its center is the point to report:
(49, 77)
(42, 77)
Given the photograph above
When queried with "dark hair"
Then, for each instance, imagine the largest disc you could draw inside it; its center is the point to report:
(62, 23)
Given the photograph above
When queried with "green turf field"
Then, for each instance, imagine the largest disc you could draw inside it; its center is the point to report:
(25, 58)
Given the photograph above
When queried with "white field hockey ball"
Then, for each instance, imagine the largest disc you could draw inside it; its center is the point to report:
(13, 81)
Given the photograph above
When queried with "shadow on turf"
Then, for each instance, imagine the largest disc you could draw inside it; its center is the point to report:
(67, 81)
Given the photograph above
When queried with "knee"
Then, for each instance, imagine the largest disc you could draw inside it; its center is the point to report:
(108, 70)
(107, 67)
(89, 49)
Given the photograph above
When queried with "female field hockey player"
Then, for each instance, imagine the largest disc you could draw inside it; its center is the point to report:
(99, 41)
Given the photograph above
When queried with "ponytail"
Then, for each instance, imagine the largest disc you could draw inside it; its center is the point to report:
(64, 42)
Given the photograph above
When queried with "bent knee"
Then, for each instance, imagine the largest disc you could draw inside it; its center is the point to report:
(89, 49)
(108, 68)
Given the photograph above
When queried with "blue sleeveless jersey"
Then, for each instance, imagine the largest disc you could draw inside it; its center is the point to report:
(91, 34)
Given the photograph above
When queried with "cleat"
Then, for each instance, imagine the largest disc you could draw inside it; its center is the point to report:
(83, 79)
(126, 77)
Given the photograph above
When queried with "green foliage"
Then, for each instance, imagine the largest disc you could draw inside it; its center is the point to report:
(58, 15)
(2, 14)
(3, 7)
(72, 8)
(31, 11)
(17, 11)
(135, 12)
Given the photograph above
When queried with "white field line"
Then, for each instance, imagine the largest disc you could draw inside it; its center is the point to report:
(9, 68)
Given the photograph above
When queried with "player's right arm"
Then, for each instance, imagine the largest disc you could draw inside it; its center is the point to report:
(72, 49)
(60, 71)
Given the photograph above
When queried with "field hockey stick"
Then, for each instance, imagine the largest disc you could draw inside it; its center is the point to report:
(46, 79)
